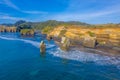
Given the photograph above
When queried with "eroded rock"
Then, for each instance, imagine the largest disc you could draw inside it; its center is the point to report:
(42, 47)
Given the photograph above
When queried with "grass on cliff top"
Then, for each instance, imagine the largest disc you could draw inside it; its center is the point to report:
(24, 31)
(47, 29)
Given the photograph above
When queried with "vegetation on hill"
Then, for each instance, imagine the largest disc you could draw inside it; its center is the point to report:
(47, 30)
(23, 25)
(47, 26)
(27, 32)
(54, 23)
(91, 33)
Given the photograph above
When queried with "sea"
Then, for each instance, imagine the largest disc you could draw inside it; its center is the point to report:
(20, 59)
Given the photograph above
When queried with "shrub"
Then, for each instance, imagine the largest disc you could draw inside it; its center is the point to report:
(27, 32)
(91, 34)
(62, 32)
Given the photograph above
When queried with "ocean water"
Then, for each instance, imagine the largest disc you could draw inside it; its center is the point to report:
(20, 59)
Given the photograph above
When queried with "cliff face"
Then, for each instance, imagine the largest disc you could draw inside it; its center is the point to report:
(7, 29)
(104, 36)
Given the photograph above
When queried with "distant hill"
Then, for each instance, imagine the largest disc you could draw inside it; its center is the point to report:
(54, 23)
(21, 24)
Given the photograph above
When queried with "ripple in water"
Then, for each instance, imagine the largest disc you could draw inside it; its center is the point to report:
(34, 43)
(87, 57)
(75, 54)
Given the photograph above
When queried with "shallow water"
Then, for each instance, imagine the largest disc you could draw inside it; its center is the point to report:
(20, 59)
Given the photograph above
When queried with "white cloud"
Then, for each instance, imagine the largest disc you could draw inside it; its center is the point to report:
(6, 17)
(34, 12)
(12, 5)
(3, 14)
(88, 15)
(69, 13)
(83, 16)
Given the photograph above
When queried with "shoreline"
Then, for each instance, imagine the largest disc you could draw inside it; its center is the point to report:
(103, 50)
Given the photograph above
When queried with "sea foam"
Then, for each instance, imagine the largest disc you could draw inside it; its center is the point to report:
(87, 57)
(74, 54)
(34, 43)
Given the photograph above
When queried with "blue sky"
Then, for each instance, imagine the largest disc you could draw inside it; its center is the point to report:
(89, 11)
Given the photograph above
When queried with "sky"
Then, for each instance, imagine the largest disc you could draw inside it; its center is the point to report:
(89, 11)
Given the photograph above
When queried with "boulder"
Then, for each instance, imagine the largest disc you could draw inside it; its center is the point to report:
(89, 42)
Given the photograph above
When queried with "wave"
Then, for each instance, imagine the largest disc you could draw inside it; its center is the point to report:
(87, 57)
(34, 43)
(74, 54)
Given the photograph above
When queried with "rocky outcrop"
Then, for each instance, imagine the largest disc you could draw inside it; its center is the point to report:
(114, 40)
(65, 44)
(90, 42)
(27, 32)
(7, 29)
(42, 47)
(2, 28)
(102, 39)
(88, 37)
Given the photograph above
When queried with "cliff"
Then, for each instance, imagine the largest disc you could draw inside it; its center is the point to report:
(105, 35)
(8, 29)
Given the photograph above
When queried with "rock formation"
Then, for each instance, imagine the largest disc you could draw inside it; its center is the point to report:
(104, 36)
(42, 47)
(89, 42)
(7, 29)
(65, 44)
(27, 32)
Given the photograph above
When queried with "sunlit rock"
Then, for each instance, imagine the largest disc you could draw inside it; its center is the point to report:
(106, 35)
(42, 47)
(7, 29)
(89, 42)
(27, 32)
(65, 44)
